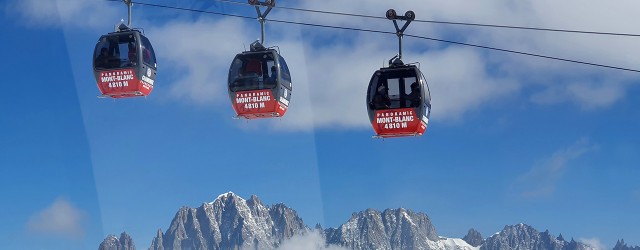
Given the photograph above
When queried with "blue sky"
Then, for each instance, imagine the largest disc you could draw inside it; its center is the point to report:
(512, 139)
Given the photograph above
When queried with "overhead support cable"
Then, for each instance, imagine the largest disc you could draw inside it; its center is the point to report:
(394, 33)
(451, 23)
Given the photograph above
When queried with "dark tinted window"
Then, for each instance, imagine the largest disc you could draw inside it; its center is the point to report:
(372, 88)
(395, 89)
(286, 76)
(116, 51)
(426, 90)
(148, 55)
(251, 72)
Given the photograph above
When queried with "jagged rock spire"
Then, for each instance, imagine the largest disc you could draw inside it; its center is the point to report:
(125, 242)
(474, 238)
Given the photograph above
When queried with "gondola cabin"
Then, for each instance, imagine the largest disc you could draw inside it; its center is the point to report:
(398, 101)
(124, 64)
(259, 83)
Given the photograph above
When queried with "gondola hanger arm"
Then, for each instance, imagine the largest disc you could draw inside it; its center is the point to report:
(408, 17)
(262, 15)
(129, 4)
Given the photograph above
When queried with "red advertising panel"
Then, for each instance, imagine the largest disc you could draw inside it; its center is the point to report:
(398, 122)
(257, 104)
(123, 83)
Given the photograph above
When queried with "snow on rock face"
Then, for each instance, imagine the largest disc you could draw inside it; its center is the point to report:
(224, 196)
(523, 236)
(110, 243)
(391, 229)
(113, 243)
(451, 244)
(230, 222)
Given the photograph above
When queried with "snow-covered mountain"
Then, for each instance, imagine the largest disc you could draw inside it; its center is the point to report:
(391, 229)
(522, 236)
(231, 222)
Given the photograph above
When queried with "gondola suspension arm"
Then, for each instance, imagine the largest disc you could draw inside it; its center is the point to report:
(408, 17)
(262, 16)
(129, 4)
(121, 26)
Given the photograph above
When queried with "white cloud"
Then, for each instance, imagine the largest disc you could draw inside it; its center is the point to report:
(636, 195)
(595, 96)
(309, 241)
(59, 219)
(331, 68)
(70, 13)
(595, 243)
(200, 53)
(464, 86)
(587, 95)
(541, 180)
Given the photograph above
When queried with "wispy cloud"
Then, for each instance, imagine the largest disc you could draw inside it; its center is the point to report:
(587, 95)
(70, 13)
(595, 243)
(541, 180)
(60, 219)
(636, 195)
(309, 241)
(199, 53)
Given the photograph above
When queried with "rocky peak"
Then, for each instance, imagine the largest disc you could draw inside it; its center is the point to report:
(127, 242)
(286, 221)
(621, 245)
(110, 243)
(560, 238)
(227, 199)
(254, 201)
(113, 243)
(474, 238)
(390, 229)
(523, 236)
(157, 241)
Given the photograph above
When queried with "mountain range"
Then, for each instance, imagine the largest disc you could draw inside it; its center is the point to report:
(231, 222)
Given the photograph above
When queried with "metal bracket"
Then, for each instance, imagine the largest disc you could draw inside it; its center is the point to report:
(134, 93)
(395, 136)
(262, 17)
(129, 3)
(408, 17)
(121, 26)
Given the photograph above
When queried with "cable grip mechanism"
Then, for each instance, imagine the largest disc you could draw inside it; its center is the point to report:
(393, 16)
